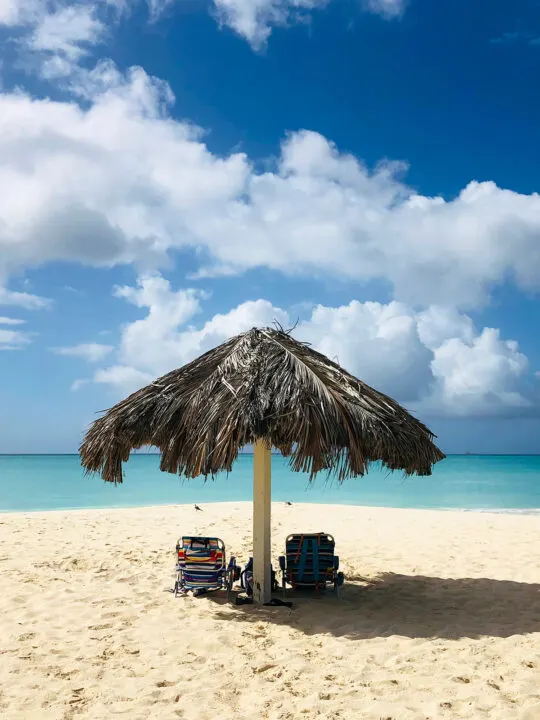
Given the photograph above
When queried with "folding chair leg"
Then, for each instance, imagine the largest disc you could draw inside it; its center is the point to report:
(338, 582)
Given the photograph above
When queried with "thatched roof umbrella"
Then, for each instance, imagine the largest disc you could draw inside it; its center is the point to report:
(261, 387)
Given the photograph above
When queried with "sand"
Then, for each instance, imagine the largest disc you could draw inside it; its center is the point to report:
(439, 618)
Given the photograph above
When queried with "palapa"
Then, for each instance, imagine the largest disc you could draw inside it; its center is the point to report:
(266, 388)
(262, 384)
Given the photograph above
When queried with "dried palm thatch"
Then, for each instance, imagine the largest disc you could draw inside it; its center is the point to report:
(262, 384)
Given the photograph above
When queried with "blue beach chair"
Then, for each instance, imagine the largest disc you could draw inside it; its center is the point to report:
(310, 563)
(202, 566)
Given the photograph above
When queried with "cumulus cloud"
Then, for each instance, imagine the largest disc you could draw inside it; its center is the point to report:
(376, 341)
(483, 374)
(433, 361)
(120, 181)
(161, 341)
(91, 352)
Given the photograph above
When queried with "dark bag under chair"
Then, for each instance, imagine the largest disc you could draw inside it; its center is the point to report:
(246, 578)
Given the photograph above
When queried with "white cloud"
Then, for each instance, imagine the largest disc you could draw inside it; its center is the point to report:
(21, 299)
(64, 36)
(158, 7)
(11, 321)
(386, 8)
(161, 341)
(481, 375)
(78, 384)
(119, 181)
(13, 339)
(98, 186)
(167, 311)
(19, 12)
(66, 29)
(53, 36)
(375, 341)
(434, 361)
(126, 379)
(61, 32)
(91, 352)
(437, 324)
(254, 19)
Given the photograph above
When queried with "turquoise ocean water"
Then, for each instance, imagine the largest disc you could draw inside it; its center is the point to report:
(469, 482)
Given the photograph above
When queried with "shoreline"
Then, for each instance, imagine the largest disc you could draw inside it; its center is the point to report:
(508, 485)
(105, 508)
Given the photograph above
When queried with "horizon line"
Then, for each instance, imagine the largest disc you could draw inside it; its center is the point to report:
(157, 454)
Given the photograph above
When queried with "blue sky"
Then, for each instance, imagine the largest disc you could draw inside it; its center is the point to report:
(173, 173)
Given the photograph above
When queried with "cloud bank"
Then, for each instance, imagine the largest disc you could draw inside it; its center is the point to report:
(121, 181)
(110, 177)
(56, 34)
(434, 360)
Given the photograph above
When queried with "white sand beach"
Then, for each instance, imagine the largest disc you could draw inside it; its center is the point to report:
(447, 627)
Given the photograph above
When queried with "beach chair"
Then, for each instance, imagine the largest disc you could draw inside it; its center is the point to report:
(310, 563)
(202, 566)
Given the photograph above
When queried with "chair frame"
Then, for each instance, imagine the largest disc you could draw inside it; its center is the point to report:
(226, 573)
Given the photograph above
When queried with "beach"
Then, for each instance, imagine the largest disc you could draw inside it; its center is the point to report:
(439, 618)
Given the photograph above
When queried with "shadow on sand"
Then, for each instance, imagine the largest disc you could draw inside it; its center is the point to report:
(412, 606)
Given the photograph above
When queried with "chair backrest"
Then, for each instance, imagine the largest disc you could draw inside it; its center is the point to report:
(201, 554)
(309, 558)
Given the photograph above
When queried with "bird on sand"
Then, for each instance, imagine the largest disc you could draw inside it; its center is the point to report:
(198, 508)
(288, 503)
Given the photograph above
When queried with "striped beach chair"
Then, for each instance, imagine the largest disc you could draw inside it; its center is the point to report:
(202, 566)
(310, 563)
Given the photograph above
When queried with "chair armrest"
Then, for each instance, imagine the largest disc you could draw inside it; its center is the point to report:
(336, 562)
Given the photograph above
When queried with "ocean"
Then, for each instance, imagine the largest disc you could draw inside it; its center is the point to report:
(503, 483)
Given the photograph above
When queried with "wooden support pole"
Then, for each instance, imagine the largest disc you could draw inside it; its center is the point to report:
(262, 468)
